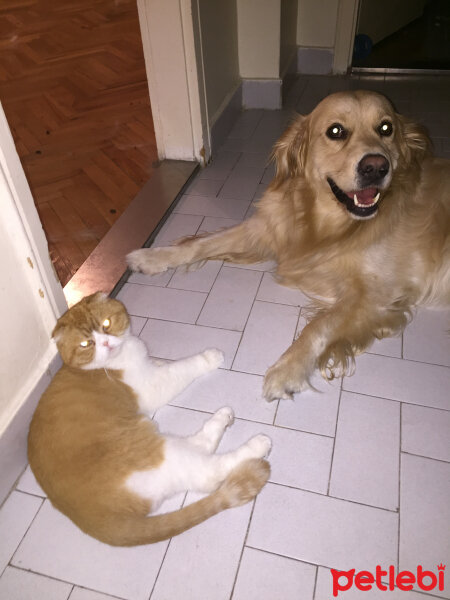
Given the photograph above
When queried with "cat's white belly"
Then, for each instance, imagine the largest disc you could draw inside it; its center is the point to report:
(184, 468)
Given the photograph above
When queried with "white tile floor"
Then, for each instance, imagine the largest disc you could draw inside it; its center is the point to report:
(360, 470)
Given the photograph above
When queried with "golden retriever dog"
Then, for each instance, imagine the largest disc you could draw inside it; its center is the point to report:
(357, 217)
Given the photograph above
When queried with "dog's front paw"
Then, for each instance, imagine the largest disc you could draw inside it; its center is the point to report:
(214, 358)
(283, 380)
(149, 260)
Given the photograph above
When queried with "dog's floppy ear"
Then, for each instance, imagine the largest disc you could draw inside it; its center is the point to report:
(414, 141)
(289, 152)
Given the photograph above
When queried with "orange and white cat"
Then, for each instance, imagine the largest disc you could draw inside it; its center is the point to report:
(96, 452)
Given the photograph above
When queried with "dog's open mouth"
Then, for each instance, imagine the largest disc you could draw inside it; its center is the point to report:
(361, 204)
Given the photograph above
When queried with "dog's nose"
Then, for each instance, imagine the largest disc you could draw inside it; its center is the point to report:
(373, 168)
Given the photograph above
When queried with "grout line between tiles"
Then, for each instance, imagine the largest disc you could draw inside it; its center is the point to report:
(15, 489)
(170, 279)
(186, 323)
(275, 414)
(421, 362)
(294, 558)
(164, 557)
(142, 326)
(315, 582)
(334, 440)
(257, 124)
(258, 422)
(285, 427)
(207, 295)
(441, 460)
(82, 587)
(290, 557)
(23, 537)
(246, 323)
(223, 265)
(161, 287)
(56, 579)
(242, 549)
(395, 400)
(292, 487)
(429, 407)
(280, 304)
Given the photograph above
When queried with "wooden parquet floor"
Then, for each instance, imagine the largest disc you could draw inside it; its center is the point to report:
(74, 90)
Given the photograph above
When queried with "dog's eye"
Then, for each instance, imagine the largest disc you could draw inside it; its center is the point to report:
(336, 132)
(385, 128)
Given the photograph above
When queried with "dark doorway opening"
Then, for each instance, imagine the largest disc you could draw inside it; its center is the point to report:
(403, 35)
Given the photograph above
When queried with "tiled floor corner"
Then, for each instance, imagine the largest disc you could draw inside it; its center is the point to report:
(360, 468)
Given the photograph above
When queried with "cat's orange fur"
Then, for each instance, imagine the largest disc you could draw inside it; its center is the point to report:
(88, 434)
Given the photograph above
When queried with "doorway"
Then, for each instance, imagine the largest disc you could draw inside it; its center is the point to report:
(74, 89)
(402, 35)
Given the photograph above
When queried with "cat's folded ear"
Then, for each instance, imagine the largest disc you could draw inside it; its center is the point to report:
(86, 301)
(57, 331)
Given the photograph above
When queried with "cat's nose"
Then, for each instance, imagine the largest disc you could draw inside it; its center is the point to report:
(106, 343)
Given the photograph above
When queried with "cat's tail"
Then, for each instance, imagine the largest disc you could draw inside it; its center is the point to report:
(241, 486)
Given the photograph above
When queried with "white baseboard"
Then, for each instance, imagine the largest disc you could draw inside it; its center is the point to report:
(315, 61)
(13, 442)
(224, 121)
(261, 93)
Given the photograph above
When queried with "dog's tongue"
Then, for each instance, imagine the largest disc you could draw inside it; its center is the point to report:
(365, 196)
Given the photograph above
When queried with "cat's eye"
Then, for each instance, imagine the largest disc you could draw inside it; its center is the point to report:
(106, 324)
(336, 132)
(86, 343)
(385, 128)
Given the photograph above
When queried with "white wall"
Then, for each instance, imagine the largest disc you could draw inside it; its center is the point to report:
(316, 23)
(219, 47)
(31, 297)
(259, 38)
(288, 34)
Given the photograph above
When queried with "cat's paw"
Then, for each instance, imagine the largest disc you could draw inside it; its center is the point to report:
(260, 445)
(214, 358)
(225, 414)
(149, 260)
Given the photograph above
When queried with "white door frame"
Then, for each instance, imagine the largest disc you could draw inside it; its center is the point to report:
(27, 273)
(170, 32)
(31, 235)
(345, 35)
(170, 35)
